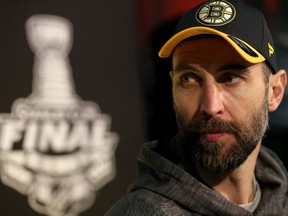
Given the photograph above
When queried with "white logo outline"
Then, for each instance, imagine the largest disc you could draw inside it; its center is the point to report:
(216, 13)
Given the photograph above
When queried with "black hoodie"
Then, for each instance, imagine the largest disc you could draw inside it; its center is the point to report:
(164, 188)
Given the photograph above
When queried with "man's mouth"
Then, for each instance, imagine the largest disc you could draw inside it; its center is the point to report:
(215, 136)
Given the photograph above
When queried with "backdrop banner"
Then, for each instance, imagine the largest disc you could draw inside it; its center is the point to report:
(70, 114)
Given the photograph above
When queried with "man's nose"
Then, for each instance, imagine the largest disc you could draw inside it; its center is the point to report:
(211, 102)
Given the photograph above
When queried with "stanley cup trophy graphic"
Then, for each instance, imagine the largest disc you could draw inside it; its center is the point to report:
(50, 39)
(55, 147)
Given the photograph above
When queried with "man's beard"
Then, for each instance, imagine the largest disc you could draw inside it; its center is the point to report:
(220, 157)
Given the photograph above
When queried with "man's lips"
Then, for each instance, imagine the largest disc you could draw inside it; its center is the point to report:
(215, 136)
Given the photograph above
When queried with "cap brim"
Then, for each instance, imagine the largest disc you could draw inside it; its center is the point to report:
(170, 45)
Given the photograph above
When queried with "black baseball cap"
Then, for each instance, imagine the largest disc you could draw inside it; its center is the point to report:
(242, 26)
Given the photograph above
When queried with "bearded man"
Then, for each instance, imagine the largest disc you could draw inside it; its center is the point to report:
(225, 81)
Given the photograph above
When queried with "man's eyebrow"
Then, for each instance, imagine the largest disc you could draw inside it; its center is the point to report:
(183, 67)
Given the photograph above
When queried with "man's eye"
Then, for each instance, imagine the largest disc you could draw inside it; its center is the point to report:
(231, 78)
(187, 78)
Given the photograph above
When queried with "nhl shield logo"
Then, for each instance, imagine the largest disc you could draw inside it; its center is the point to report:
(216, 13)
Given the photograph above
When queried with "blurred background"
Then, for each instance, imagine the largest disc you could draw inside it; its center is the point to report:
(106, 57)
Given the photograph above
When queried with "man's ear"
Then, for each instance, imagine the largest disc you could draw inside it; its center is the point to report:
(171, 74)
(277, 86)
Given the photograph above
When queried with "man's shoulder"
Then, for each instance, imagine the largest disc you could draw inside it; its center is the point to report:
(143, 202)
(140, 202)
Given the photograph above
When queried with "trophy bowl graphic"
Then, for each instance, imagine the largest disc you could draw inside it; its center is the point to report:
(45, 32)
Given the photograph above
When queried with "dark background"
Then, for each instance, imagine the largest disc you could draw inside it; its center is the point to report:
(115, 64)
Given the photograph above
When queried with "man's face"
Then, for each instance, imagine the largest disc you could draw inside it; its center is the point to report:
(220, 102)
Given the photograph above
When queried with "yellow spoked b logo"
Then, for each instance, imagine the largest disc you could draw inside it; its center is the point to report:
(216, 13)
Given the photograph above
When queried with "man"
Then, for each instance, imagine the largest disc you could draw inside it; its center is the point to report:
(225, 81)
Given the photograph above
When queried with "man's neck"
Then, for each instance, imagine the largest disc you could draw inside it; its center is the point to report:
(236, 185)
